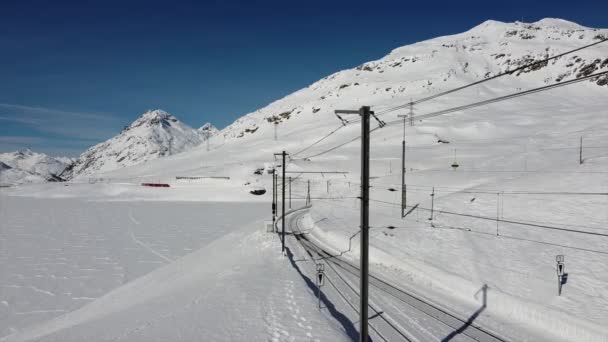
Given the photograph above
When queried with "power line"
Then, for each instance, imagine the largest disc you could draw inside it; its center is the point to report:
(520, 239)
(468, 230)
(318, 141)
(542, 226)
(510, 96)
(464, 107)
(507, 72)
(392, 187)
(428, 98)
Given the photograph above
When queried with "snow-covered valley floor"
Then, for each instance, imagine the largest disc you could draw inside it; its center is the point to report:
(192, 270)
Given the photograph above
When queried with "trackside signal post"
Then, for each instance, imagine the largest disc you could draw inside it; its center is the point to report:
(365, 114)
(320, 280)
(561, 266)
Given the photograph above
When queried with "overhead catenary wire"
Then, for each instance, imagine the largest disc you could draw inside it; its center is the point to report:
(456, 190)
(504, 73)
(521, 223)
(468, 230)
(510, 96)
(464, 107)
(318, 141)
(428, 98)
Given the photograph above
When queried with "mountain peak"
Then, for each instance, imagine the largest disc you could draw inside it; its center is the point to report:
(154, 117)
(154, 134)
(207, 128)
(24, 152)
(156, 114)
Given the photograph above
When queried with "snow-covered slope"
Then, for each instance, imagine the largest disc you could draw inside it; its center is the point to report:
(153, 135)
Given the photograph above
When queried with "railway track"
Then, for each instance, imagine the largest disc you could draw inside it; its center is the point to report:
(458, 326)
(381, 326)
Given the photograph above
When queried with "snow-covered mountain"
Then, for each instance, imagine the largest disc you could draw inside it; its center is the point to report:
(33, 166)
(207, 130)
(35, 162)
(435, 65)
(153, 135)
(15, 176)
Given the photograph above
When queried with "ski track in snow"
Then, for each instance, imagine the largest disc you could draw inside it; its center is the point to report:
(144, 245)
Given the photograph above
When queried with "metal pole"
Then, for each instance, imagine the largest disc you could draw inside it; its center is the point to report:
(363, 329)
(283, 205)
(290, 192)
(497, 211)
(308, 194)
(411, 113)
(580, 152)
(319, 292)
(274, 203)
(403, 190)
(432, 204)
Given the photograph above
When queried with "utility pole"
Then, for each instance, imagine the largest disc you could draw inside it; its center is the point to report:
(327, 186)
(365, 114)
(497, 211)
(289, 192)
(432, 204)
(274, 202)
(403, 188)
(308, 194)
(283, 181)
(411, 113)
(276, 124)
(580, 152)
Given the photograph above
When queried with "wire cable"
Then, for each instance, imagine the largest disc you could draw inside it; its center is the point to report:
(464, 107)
(522, 223)
(504, 73)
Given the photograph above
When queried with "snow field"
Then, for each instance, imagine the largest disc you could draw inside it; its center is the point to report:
(236, 287)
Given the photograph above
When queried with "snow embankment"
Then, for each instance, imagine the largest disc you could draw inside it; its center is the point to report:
(440, 287)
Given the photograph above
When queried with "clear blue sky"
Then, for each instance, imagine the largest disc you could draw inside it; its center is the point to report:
(73, 73)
